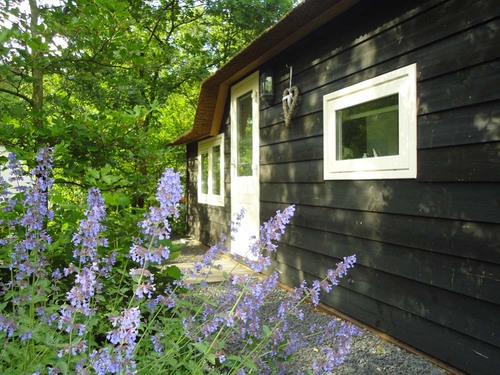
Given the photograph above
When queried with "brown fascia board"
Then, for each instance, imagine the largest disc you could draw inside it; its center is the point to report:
(303, 19)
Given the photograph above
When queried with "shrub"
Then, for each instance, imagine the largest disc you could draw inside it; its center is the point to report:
(109, 313)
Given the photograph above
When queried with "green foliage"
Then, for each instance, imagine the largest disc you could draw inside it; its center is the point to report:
(128, 311)
(109, 84)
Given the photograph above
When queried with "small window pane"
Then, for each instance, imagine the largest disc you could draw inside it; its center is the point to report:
(216, 170)
(244, 135)
(369, 129)
(204, 173)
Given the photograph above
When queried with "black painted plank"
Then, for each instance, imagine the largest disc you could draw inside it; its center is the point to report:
(424, 270)
(470, 86)
(468, 277)
(292, 151)
(459, 126)
(478, 241)
(400, 39)
(471, 46)
(465, 201)
(208, 213)
(303, 171)
(450, 346)
(453, 42)
(471, 163)
(207, 233)
(477, 84)
(303, 127)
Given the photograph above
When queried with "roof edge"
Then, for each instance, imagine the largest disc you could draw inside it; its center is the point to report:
(300, 21)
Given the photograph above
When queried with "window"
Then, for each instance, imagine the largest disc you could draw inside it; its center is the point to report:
(244, 134)
(211, 171)
(370, 128)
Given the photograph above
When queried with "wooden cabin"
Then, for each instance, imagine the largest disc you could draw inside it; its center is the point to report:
(389, 147)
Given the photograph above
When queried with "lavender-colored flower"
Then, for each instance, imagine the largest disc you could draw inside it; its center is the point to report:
(87, 285)
(142, 255)
(126, 327)
(123, 336)
(209, 257)
(89, 237)
(25, 336)
(270, 232)
(56, 274)
(36, 200)
(45, 317)
(36, 239)
(155, 225)
(17, 177)
(140, 273)
(74, 349)
(169, 301)
(66, 315)
(168, 195)
(144, 290)
(220, 356)
(314, 292)
(157, 344)
(341, 270)
(53, 371)
(107, 264)
(7, 325)
(104, 362)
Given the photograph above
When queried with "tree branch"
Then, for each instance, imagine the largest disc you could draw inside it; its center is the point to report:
(24, 97)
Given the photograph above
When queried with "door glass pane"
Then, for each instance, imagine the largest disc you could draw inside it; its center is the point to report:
(369, 129)
(204, 173)
(244, 136)
(216, 170)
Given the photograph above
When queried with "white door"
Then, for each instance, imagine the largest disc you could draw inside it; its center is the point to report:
(245, 161)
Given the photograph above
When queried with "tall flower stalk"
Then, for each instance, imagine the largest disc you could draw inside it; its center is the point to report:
(104, 314)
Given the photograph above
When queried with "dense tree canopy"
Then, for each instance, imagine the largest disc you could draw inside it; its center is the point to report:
(109, 84)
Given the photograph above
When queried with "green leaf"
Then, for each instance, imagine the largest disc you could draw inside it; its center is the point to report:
(111, 179)
(100, 298)
(267, 330)
(174, 272)
(174, 255)
(200, 346)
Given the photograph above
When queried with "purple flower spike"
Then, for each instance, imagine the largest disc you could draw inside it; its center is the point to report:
(88, 237)
(33, 221)
(126, 330)
(155, 225)
(270, 232)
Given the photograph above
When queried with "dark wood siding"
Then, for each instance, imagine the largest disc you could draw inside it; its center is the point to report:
(206, 222)
(428, 250)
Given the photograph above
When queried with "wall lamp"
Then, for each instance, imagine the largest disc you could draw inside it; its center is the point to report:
(266, 85)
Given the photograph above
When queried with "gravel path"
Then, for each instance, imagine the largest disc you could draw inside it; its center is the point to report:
(369, 354)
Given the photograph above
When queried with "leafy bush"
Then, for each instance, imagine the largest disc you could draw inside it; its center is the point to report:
(105, 312)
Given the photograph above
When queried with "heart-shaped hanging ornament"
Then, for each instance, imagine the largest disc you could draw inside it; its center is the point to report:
(290, 100)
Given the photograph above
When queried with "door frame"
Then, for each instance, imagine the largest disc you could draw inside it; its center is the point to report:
(240, 185)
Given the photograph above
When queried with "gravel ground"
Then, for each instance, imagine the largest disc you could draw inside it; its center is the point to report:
(369, 354)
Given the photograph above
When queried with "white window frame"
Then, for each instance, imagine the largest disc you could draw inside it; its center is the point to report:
(206, 147)
(404, 165)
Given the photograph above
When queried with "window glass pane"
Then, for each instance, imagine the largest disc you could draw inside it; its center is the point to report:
(216, 170)
(244, 136)
(369, 129)
(204, 173)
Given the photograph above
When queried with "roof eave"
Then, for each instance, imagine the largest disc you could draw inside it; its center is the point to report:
(303, 19)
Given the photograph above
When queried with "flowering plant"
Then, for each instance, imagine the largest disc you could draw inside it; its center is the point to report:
(99, 315)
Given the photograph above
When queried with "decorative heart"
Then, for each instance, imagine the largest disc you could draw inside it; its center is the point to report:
(290, 100)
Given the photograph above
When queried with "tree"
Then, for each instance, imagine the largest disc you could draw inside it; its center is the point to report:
(110, 83)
